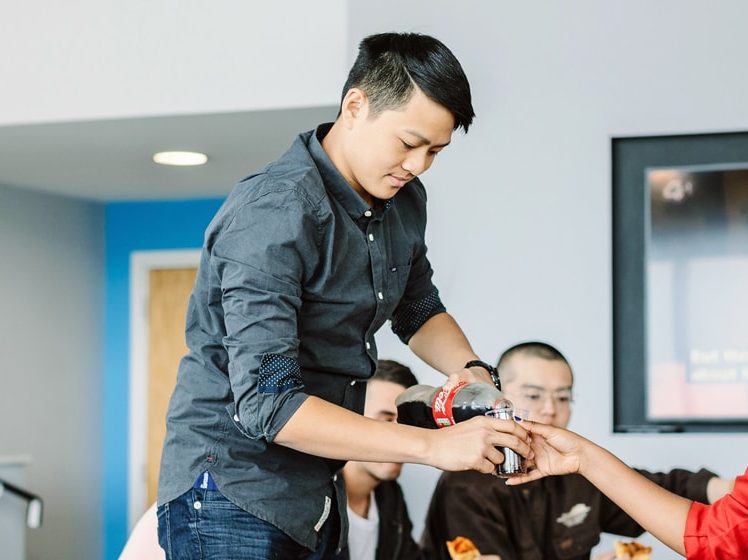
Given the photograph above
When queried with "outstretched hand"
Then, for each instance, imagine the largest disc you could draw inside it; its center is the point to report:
(556, 452)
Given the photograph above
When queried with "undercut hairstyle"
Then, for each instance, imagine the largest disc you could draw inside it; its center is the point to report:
(394, 372)
(532, 348)
(390, 66)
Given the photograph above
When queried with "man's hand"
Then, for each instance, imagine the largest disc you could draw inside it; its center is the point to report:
(468, 375)
(472, 444)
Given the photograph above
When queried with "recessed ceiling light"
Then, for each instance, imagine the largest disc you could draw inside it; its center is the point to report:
(180, 158)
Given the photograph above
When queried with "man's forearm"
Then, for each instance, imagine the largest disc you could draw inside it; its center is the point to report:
(327, 430)
(324, 429)
(441, 343)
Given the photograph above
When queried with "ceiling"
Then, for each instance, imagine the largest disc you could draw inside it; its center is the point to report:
(110, 160)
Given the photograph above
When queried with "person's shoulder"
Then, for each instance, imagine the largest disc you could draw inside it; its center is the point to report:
(677, 474)
(410, 204)
(417, 189)
(294, 174)
(296, 170)
(414, 193)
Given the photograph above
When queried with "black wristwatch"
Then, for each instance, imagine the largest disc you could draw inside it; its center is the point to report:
(489, 368)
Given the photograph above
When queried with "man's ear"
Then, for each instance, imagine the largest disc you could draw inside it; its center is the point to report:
(354, 107)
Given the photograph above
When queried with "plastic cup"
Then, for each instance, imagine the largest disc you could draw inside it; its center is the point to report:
(513, 463)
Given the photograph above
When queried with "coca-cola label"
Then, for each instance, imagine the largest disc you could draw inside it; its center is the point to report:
(441, 408)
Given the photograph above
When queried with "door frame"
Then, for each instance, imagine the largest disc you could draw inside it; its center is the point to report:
(141, 264)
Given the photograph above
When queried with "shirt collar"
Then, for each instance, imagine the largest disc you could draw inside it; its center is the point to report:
(335, 183)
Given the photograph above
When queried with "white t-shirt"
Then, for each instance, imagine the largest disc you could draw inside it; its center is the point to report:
(363, 533)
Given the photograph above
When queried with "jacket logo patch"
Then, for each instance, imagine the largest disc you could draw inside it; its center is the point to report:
(575, 516)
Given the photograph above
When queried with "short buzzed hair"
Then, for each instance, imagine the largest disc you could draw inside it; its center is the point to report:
(390, 66)
(394, 372)
(532, 348)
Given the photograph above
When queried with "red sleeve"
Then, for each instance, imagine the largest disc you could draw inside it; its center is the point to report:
(719, 531)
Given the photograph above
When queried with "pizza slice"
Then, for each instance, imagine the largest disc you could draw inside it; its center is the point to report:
(633, 550)
(462, 548)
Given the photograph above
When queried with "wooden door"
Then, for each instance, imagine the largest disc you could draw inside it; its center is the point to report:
(168, 294)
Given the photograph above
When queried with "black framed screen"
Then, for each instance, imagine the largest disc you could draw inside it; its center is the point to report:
(680, 283)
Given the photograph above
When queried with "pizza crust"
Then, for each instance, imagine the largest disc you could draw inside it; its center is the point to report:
(462, 548)
(633, 549)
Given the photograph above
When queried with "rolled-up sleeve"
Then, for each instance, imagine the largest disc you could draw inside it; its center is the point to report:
(410, 316)
(721, 529)
(261, 258)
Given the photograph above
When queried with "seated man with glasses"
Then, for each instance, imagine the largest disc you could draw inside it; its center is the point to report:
(557, 517)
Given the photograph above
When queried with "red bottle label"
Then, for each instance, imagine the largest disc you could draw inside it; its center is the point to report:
(441, 408)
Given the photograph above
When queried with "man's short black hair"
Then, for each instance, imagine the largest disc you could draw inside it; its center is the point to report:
(390, 65)
(533, 348)
(394, 372)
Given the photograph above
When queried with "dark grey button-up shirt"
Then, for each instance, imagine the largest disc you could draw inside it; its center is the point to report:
(296, 275)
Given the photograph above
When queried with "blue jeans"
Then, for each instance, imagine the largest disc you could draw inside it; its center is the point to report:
(204, 525)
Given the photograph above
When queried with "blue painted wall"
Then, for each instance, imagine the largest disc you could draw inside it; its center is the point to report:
(133, 226)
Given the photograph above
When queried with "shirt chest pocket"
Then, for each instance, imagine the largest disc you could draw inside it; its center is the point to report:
(396, 280)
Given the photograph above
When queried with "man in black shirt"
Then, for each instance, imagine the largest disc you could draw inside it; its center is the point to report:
(553, 518)
(303, 263)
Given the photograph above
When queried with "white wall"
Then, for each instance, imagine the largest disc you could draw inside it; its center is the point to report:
(87, 59)
(519, 229)
(51, 284)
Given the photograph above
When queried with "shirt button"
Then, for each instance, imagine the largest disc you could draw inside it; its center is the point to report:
(380, 295)
(334, 478)
(368, 346)
(197, 504)
(371, 237)
(367, 213)
(236, 417)
(353, 383)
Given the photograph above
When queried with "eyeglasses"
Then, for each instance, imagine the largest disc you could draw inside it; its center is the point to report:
(534, 397)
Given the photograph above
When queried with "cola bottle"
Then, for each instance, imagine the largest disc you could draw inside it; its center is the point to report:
(435, 407)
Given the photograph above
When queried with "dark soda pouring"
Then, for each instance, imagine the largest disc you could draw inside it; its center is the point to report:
(415, 413)
(434, 407)
(470, 410)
